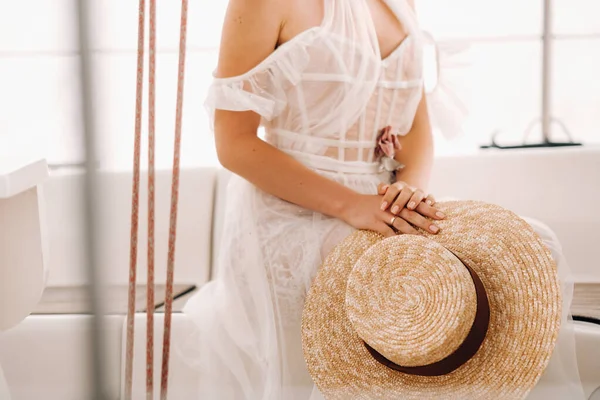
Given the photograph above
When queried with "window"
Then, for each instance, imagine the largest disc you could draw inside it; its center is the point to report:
(39, 100)
(500, 75)
(501, 81)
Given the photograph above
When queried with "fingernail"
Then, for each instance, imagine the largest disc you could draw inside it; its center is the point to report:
(429, 202)
(395, 209)
(384, 205)
(385, 187)
(434, 229)
(440, 214)
(411, 205)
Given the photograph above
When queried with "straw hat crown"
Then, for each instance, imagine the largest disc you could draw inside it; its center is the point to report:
(417, 307)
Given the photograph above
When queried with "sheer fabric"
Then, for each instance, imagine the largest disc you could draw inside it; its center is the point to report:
(322, 98)
(324, 95)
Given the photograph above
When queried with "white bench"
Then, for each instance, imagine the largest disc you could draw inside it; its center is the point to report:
(46, 355)
(23, 244)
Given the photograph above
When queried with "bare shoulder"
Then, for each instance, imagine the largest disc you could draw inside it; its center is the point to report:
(250, 33)
(301, 15)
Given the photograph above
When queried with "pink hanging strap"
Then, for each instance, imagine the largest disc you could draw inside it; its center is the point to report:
(135, 198)
(174, 202)
(151, 205)
(151, 186)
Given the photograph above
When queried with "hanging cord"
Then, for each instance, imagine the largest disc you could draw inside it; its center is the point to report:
(135, 198)
(151, 180)
(174, 200)
(151, 205)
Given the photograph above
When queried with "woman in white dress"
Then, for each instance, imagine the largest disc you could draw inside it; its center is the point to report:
(324, 78)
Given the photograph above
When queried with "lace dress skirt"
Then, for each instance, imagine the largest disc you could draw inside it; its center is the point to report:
(246, 336)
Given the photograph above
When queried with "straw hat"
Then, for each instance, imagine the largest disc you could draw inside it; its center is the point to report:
(470, 313)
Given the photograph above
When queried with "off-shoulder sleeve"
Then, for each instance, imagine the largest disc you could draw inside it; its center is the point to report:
(264, 88)
(447, 94)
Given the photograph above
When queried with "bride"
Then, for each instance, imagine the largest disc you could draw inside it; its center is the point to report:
(337, 86)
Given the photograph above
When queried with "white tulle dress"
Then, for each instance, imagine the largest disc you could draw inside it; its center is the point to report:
(323, 98)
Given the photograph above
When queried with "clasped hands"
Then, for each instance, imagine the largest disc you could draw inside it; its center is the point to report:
(397, 209)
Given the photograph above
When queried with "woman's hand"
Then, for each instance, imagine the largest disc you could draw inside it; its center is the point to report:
(405, 201)
(400, 194)
(364, 212)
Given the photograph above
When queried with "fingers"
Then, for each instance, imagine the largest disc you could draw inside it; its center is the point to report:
(402, 199)
(404, 227)
(390, 195)
(429, 200)
(382, 188)
(415, 199)
(400, 225)
(399, 195)
(384, 229)
(418, 220)
(429, 211)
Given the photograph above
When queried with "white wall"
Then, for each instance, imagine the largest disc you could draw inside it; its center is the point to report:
(63, 195)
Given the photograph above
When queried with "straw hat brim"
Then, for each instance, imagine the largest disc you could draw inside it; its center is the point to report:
(523, 291)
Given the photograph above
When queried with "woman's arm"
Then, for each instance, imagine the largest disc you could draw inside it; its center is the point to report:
(417, 146)
(416, 154)
(417, 157)
(250, 33)
(417, 150)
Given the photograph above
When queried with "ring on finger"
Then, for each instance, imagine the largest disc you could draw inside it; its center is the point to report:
(393, 220)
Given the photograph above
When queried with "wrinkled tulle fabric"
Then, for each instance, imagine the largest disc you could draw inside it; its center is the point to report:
(561, 378)
(248, 318)
(322, 97)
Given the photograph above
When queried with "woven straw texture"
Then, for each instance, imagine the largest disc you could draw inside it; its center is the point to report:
(416, 306)
(417, 312)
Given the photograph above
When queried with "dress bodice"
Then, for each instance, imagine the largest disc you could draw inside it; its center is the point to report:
(325, 95)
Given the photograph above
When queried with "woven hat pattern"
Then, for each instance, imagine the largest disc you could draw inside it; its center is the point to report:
(522, 286)
(424, 298)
